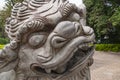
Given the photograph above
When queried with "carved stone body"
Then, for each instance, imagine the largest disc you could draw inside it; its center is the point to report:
(49, 41)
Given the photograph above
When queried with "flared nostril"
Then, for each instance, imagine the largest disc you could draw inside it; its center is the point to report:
(37, 69)
(43, 59)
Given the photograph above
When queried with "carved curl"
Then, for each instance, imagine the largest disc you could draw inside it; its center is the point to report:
(48, 37)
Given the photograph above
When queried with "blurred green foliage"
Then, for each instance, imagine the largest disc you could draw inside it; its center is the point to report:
(104, 17)
(4, 40)
(108, 47)
(4, 14)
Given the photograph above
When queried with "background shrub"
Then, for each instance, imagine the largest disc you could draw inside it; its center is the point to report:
(4, 41)
(108, 47)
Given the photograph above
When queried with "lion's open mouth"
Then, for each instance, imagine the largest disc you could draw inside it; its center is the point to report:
(81, 53)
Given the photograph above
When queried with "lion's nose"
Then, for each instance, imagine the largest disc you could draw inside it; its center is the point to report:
(43, 56)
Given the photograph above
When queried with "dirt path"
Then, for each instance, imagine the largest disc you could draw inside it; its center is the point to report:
(106, 66)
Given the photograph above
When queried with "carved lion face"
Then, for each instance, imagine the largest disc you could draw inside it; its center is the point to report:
(48, 37)
(57, 51)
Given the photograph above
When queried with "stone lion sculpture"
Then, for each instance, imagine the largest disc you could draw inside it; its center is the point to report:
(49, 40)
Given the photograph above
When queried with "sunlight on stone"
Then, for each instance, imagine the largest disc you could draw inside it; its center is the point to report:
(77, 2)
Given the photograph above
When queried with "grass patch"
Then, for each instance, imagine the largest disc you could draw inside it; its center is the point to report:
(2, 46)
(108, 47)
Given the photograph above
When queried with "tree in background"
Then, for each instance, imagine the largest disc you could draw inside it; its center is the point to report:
(5, 13)
(104, 17)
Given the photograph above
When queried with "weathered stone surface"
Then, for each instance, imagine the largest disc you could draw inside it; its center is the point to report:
(49, 40)
(10, 75)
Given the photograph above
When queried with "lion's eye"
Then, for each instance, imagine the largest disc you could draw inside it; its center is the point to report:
(58, 42)
(37, 40)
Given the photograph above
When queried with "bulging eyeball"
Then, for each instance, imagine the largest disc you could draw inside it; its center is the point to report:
(37, 40)
(88, 30)
(67, 29)
(58, 42)
(74, 17)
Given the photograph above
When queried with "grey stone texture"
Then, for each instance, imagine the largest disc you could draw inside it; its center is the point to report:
(49, 40)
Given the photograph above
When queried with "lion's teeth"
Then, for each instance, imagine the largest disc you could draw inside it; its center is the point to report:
(48, 70)
(85, 45)
(75, 50)
(80, 46)
(54, 68)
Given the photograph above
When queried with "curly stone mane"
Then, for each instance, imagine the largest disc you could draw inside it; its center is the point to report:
(31, 16)
(49, 40)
